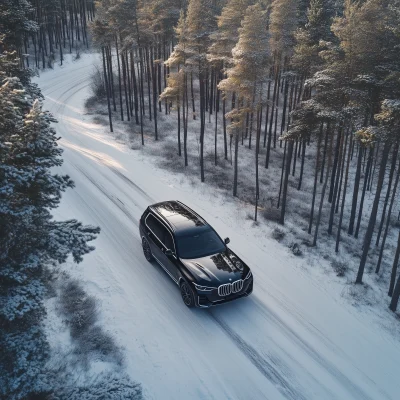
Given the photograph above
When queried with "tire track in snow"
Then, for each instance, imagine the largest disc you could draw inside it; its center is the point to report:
(115, 200)
(104, 162)
(268, 369)
(132, 184)
(343, 380)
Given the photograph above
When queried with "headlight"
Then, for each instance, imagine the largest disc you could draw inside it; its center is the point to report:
(248, 276)
(203, 288)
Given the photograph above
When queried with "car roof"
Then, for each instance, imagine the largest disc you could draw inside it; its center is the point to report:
(179, 217)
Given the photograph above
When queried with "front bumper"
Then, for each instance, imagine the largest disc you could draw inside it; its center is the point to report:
(207, 299)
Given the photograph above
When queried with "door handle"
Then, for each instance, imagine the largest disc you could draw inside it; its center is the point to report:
(148, 233)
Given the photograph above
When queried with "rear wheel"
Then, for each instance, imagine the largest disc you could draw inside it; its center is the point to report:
(187, 294)
(146, 250)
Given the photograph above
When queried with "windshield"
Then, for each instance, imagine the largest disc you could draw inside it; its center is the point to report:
(200, 244)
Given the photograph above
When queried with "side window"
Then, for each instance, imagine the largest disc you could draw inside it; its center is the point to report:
(155, 226)
(168, 241)
(160, 231)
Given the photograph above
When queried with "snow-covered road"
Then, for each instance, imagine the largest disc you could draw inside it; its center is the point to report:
(292, 339)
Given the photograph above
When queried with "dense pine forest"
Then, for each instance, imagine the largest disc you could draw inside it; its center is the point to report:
(32, 243)
(290, 106)
(311, 88)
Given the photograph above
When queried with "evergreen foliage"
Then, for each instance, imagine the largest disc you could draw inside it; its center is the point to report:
(316, 79)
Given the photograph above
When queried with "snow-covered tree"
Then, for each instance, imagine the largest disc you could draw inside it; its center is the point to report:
(200, 24)
(30, 240)
(282, 26)
(15, 22)
(251, 62)
(107, 385)
(319, 19)
(227, 35)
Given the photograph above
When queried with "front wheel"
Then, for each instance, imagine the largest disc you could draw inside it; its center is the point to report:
(147, 250)
(187, 294)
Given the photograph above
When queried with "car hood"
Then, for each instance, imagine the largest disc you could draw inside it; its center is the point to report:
(216, 269)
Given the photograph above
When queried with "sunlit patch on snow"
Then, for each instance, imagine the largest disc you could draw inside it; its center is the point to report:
(87, 129)
(61, 103)
(100, 158)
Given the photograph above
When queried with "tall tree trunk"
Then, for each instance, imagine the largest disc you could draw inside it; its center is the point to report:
(394, 268)
(336, 161)
(285, 100)
(286, 181)
(303, 157)
(355, 191)
(154, 85)
(235, 171)
(179, 125)
(344, 191)
(315, 178)
(388, 221)
(149, 81)
(224, 123)
(135, 89)
(130, 100)
(202, 121)
(389, 187)
(185, 107)
(267, 114)
(282, 174)
(119, 80)
(107, 89)
(111, 76)
(321, 179)
(328, 170)
(335, 189)
(396, 291)
(125, 88)
(192, 93)
(367, 173)
(374, 211)
(374, 168)
(216, 131)
(258, 134)
(141, 94)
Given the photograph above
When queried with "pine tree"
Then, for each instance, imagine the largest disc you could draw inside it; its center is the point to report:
(319, 18)
(227, 35)
(176, 89)
(388, 133)
(30, 240)
(200, 24)
(282, 26)
(251, 61)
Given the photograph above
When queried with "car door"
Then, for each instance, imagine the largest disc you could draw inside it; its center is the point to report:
(159, 236)
(171, 260)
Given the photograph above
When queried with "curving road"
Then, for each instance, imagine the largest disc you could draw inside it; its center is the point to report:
(290, 340)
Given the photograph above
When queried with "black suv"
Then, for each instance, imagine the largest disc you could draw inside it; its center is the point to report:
(193, 255)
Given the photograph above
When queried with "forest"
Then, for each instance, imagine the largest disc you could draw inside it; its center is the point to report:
(32, 243)
(290, 106)
(311, 88)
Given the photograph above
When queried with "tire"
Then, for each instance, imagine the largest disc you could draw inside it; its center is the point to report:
(187, 294)
(147, 250)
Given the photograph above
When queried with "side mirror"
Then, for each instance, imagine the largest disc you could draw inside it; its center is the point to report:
(169, 252)
(227, 240)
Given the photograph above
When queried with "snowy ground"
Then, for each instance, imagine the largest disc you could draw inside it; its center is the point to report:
(294, 338)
